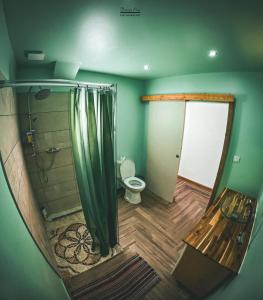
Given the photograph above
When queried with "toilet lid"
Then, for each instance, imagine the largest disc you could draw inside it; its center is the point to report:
(127, 169)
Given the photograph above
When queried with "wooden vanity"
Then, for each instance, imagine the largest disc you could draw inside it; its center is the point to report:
(216, 247)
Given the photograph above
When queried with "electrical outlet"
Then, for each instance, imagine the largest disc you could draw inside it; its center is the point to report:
(236, 159)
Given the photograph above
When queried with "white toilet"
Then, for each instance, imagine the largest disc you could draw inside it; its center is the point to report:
(133, 185)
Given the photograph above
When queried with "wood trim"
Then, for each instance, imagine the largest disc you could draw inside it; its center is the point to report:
(223, 98)
(190, 97)
(224, 152)
(208, 189)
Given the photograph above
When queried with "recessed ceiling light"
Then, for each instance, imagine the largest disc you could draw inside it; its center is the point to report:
(146, 67)
(212, 53)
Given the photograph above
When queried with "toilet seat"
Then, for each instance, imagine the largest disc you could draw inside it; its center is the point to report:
(134, 183)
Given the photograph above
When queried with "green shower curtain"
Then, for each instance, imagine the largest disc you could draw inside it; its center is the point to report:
(93, 143)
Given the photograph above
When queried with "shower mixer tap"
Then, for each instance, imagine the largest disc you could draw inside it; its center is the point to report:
(53, 150)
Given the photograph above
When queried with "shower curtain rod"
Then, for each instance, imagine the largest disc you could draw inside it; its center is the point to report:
(52, 82)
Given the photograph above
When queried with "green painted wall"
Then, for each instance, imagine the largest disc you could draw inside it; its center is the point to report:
(130, 110)
(130, 115)
(246, 138)
(247, 141)
(35, 71)
(25, 274)
(7, 60)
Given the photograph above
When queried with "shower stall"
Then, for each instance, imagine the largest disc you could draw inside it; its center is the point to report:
(45, 131)
(45, 110)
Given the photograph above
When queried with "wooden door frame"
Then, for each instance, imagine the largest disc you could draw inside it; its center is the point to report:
(204, 97)
(223, 158)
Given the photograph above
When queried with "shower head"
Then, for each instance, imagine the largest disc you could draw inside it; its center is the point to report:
(42, 94)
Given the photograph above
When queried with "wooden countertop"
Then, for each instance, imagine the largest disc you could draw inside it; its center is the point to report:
(216, 235)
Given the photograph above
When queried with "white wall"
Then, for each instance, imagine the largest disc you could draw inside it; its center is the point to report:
(204, 133)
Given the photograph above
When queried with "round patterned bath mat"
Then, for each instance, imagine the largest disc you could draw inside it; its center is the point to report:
(72, 246)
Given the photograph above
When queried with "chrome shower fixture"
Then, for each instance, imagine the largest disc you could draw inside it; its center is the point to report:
(52, 150)
(42, 94)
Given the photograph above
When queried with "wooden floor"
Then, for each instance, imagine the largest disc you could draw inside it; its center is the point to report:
(155, 229)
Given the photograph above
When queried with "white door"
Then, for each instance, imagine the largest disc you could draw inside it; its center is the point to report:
(164, 143)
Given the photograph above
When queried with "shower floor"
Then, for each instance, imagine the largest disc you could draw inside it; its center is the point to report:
(71, 244)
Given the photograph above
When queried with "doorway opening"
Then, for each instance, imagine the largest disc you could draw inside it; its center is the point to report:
(187, 149)
(203, 139)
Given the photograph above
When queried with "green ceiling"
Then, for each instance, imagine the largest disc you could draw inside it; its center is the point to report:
(173, 37)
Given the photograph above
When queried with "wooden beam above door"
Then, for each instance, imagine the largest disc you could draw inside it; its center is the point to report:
(190, 97)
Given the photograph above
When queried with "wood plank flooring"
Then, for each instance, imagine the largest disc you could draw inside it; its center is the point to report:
(155, 229)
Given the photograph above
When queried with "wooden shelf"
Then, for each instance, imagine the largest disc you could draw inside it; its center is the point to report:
(216, 236)
(214, 246)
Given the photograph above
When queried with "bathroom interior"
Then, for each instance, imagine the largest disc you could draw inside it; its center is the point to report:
(104, 167)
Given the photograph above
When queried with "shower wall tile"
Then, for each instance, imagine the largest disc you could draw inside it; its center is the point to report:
(23, 122)
(27, 148)
(45, 122)
(55, 176)
(18, 155)
(33, 218)
(36, 180)
(9, 134)
(61, 158)
(9, 164)
(7, 102)
(62, 204)
(15, 168)
(51, 121)
(59, 139)
(55, 102)
(40, 195)
(59, 175)
(25, 196)
(61, 190)
(30, 163)
(5, 106)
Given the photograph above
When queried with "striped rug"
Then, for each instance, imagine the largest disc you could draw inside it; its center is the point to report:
(131, 280)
